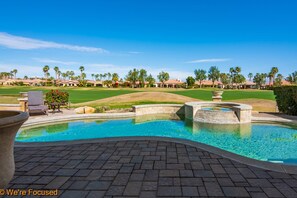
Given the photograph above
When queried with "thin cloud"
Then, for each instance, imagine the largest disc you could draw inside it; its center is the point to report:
(23, 43)
(135, 52)
(212, 60)
(52, 61)
(102, 65)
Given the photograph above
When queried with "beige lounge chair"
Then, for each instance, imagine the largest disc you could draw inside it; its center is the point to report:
(36, 103)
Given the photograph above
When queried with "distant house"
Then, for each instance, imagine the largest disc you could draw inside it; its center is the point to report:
(171, 83)
(249, 85)
(95, 83)
(135, 85)
(285, 83)
(28, 82)
(67, 83)
(208, 83)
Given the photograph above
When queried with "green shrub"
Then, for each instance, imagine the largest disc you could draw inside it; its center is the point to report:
(102, 109)
(286, 98)
(56, 96)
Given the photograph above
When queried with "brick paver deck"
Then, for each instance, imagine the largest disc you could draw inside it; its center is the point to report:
(143, 169)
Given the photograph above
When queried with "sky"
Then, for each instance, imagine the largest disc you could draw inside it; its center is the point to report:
(177, 36)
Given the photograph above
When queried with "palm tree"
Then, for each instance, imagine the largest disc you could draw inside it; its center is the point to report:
(59, 74)
(237, 69)
(237, 77)
(150, 80)
(97, 76)
(93, 75)
(11, 74)
(292, 78)
(250, 76)
(190, 81)
(142, 76)
(213, 74)
(278, 80)
(271, 75)
(81, 68)
(71, 75)
(64, 75)
(108, 76)
(68, 74)
(224, 78)
(15, 71)
(260, 79)
(133, 76)
(200, 75)
(56, 68)
(83, 76)
(45, 69)
(163, 76)
(115, 77)
(232, 71)
(104, 76)
(48, 74)
(232, 74)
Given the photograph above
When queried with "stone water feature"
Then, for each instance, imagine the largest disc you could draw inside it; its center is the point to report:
(218, 112)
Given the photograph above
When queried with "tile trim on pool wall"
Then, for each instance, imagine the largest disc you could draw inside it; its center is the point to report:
(290, 169)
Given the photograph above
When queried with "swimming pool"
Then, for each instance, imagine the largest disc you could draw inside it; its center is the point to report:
(266, 142)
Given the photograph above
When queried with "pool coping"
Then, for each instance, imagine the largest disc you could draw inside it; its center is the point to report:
(282, 168)
(63, 118)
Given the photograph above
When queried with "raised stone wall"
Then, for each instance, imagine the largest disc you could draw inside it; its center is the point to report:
(159, 109)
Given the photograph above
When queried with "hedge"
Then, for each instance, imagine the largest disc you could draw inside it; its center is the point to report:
(286, 99)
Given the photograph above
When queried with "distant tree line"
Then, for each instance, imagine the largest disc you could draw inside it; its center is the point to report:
(234, 78)
(141, 78)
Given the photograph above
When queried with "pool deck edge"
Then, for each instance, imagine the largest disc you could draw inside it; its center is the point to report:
(282, 168)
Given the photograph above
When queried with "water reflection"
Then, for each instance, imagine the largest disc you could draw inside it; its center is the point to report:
(41, 130)
(149, 118)
(242, 130)
(57, 128)
(28, 133)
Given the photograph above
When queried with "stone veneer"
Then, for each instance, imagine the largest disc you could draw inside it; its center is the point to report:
(240, 113)
(159, 109)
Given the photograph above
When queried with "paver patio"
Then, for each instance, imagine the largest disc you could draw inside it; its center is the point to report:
(143, 169)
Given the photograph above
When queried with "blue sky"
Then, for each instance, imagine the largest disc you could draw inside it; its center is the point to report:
(175, 36)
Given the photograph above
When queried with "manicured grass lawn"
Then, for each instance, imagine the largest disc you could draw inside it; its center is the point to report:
(204, 94)
(126, 105)
(77, 95)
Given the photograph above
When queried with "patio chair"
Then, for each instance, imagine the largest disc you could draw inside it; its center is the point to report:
(36, 103)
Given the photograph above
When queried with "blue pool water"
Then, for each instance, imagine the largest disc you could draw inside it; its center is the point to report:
(265, 142)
